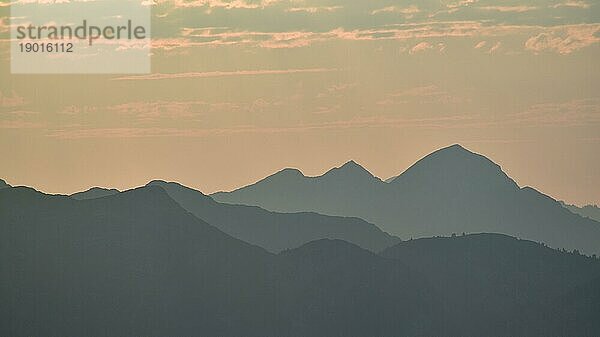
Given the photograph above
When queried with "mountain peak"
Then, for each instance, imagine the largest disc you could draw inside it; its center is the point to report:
(456, 166)
(351, 163)
(455, 149)
(3, 184)
(174, 187)
(350, 169)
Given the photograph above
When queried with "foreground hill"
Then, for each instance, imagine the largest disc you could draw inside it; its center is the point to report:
(471, 272)
(132, 264)
(276, 231)
(137, 264)
(449, 191)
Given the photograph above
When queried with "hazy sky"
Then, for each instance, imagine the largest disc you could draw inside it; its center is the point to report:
(241, 89)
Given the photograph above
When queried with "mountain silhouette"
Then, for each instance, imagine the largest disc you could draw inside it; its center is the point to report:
(131, 264)
(471, 272)
(276, 231)
(335, 288)
(3, 184)
(94, 193)
(452, 190)
(138, 264)
(588, 211)
(349, 190)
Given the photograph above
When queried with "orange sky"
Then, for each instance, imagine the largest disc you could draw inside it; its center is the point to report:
(240, 91)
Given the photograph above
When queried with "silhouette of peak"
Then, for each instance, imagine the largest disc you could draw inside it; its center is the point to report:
(171, 186)
(157, 182)
(351, 163)
(455, 150)
(455, 165)
(349, 170)
(3, 184)
(284, 175)
(94, 193)
(291, 172)
(147, 195)
(163, 183)
(455, 147)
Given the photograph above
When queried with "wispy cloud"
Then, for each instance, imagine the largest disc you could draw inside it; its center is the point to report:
(572, 4)
(513, 9)
(160, 76)
(11, 101)
(564, 40)
(315, 9)
(407, 12)
(574, 112)
(225, 4)
(423, 94)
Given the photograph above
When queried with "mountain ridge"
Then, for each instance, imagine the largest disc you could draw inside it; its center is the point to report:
(94, 193)
(451, 190)
(275, 231)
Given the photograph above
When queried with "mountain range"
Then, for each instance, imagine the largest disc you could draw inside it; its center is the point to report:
(276, 231)
(452, 190)
(588, 211)
(137, 263)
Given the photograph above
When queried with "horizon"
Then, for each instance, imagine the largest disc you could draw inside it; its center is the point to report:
(317, 175)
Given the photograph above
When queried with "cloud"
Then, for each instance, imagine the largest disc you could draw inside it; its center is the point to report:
(511, 9)
(419, 47)
(313, 10)
(494, 48)
(11, 101)
(19, 124)
(480, 45)
(564, 40)
(408, 12)
(224, 4)
(423, 94)
(571, 113)
(422, 32)
(443, 122)
(424, 46)
(161, 76)
(337, 90)
(572, 4)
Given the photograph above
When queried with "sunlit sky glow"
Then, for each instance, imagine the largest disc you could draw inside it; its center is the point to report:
(241, 89)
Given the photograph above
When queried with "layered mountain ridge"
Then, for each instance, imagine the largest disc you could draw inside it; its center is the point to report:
(276, 231)
(138, 264)
(452, 190)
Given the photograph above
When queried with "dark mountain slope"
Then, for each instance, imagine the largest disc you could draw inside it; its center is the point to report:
(452, 190)
(498, 279)
(94, 193)
(276, 231)
(133, 264)
(330, 281)
(578, 312)
(137, 264)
